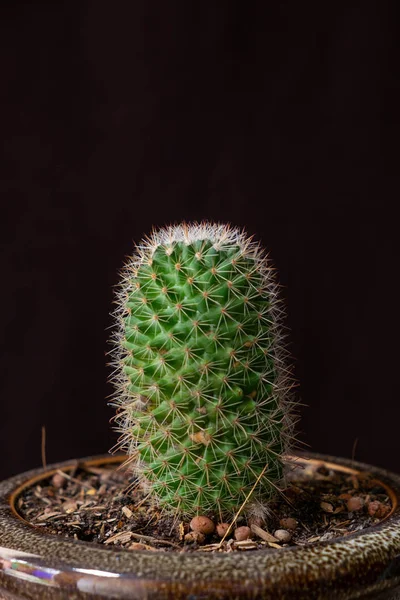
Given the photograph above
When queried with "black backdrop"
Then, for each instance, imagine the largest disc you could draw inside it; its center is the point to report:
(278, 116)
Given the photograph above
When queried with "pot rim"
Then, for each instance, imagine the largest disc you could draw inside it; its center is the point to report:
(367, 557)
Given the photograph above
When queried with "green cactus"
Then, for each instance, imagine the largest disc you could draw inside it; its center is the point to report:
(200, 369)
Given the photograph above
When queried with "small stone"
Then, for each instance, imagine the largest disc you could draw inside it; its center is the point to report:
(202, 525)
(140, 546)
(242, 533)
(70, 506)
(377, 509)
(58, 481)
(195, 536)
(326, 507)
(283, 535)
(222, 528)
(355, 503)
(288, 523)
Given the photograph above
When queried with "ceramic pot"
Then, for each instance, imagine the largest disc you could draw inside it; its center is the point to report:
(36, 565)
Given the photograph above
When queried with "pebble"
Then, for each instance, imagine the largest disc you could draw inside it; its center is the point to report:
(202, 525)
(378, 509)
(139, 546)
(327, 507)
(288, 523)
(222, 528)
(355, 503)
(195, 536)
(58, 481)
(283, 535)
(242, 533)
(70, 506)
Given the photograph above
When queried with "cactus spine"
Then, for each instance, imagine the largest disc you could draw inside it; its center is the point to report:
(202, 386)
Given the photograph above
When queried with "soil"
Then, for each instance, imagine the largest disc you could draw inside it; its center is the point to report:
(103, 506)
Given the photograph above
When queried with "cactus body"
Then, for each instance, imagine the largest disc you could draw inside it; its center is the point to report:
(200, 370)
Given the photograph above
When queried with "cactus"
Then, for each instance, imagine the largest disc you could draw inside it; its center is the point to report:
(202, 385)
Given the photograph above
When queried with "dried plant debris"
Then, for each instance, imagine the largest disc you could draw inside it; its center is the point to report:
(102, 505)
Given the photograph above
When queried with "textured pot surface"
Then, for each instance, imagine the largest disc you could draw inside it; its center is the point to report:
(35, 565)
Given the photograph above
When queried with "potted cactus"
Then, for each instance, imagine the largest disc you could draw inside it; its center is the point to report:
(206, 415)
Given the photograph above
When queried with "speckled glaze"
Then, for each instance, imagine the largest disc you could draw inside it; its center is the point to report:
(38, 565)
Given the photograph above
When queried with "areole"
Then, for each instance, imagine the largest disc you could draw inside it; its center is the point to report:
(361, 565)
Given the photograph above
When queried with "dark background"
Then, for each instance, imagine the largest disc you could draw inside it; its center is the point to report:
(282, 117)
